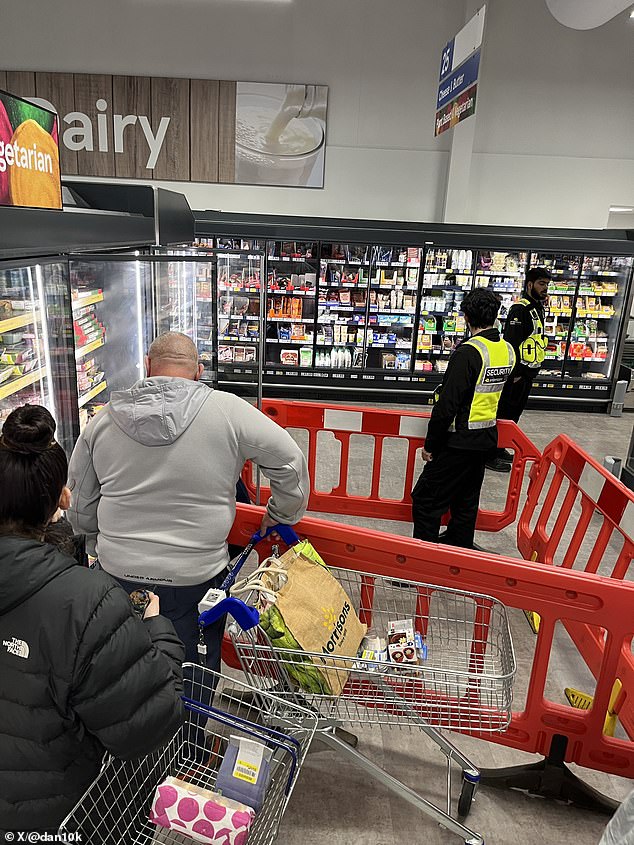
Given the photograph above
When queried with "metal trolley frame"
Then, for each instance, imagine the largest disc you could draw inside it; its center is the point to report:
(116, 806)
(463, 684)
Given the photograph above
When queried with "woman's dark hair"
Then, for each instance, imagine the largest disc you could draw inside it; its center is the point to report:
(480, 306)
(33, 471)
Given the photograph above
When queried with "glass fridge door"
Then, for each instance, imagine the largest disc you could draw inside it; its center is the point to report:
(184, 303)
(561, 295)
(291, 293)
(598, 315)
(394, 273)
(110, 299)
(240, 279)
(344, 276)
(447, 276)
(35, 348)
(504, 273)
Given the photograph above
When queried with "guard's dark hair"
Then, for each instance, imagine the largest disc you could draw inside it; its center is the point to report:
(480, 306)
(537, 273)
(33, 471)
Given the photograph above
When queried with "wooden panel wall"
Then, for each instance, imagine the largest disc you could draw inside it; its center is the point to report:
(200, 141)
(170, 98)
(227, 132)
(58, 89)
(131, 96)
(204, 98)
(89, 88)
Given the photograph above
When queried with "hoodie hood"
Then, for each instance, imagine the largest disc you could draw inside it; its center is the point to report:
(157, 410)
(25, 567)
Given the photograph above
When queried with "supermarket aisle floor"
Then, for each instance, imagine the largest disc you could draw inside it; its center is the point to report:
(336, 803)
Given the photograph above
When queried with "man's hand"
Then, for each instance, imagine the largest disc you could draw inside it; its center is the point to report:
(153, 608)
(427, 456)
(268, 522)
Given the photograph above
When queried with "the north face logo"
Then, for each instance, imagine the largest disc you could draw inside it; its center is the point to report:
(17, 647)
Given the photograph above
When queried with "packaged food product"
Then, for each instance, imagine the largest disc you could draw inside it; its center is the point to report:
(289, 357)
(401, 644)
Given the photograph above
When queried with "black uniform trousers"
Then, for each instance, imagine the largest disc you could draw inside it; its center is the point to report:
(451, 481)
(515, 397)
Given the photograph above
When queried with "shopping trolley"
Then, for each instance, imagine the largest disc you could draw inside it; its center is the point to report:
(115, 808)
(463, 681)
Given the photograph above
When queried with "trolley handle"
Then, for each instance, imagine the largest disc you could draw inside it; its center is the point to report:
(216, 602)
(287, 534)
(247, 728)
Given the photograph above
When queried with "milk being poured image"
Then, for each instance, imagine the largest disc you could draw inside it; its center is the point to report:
(280, 139)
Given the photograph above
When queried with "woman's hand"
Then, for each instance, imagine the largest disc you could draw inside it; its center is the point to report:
(153, 608)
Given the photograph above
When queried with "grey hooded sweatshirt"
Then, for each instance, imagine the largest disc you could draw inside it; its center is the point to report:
(153, 478)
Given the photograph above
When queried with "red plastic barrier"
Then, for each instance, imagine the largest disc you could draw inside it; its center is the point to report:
(409, 427)
(557, 594)
(583, 494)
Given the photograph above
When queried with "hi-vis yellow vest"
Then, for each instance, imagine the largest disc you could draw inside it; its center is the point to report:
(533, 349)
(498, 360)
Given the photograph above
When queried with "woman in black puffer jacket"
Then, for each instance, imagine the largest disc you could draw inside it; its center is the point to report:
(80, 673)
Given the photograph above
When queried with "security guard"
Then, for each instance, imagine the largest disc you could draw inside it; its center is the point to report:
(524, 330)
(462, 430)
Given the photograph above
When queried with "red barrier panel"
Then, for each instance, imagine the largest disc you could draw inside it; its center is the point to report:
(582, 495)
(383, 426)
(557, 594)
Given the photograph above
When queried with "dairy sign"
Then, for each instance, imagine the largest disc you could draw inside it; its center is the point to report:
(459, 70)
(29, 155)
(197, 130)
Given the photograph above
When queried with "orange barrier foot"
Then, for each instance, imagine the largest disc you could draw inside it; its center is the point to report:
(550, 778)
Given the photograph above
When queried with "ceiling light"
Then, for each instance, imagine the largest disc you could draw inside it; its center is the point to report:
(621, 209)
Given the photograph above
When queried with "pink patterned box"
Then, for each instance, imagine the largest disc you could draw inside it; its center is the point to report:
(201, 814)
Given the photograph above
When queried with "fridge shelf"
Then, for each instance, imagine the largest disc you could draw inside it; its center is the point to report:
(85, 301)
(406, 348)
(294, 341)
(341, 262)
(234, 289)
(291, 292)
(298, 320)
(395, 325)
(379, 286)
(90, 347)
(294, 260)
(233, 339)
(16, 385)
(17, 322)
(240, 317)
(501, 273)
(95, 391)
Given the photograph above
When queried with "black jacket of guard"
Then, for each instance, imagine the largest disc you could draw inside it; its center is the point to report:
(454, 402)
(80, 673)
(518, 327)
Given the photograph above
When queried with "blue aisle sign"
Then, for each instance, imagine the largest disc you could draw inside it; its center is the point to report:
(458, 81)
(446, 62)
(459, 68)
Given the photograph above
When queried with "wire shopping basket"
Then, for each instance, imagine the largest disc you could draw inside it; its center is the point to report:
(116, 807)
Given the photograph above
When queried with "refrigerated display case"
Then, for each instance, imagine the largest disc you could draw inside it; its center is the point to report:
(291, 292)
(111, 324)
(440, 263)
(36, 349)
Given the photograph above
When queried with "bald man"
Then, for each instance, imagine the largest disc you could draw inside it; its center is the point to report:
(153, 480)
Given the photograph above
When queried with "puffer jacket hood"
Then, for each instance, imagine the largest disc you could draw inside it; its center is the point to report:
(25, 567)
(157, 410)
